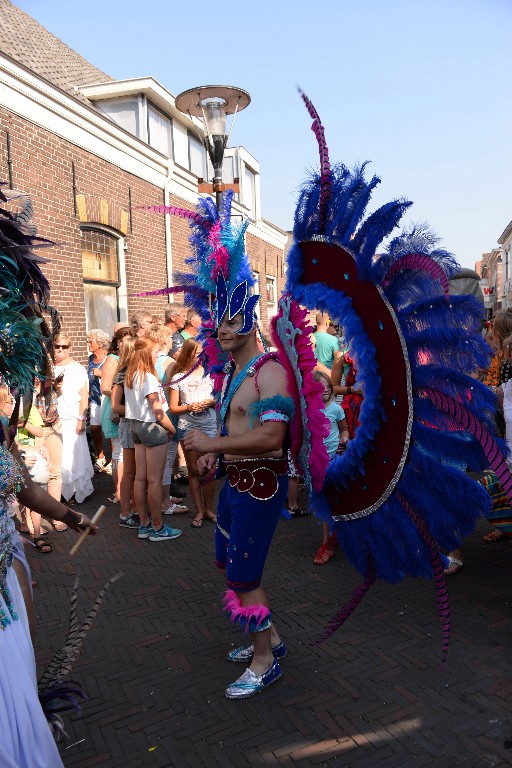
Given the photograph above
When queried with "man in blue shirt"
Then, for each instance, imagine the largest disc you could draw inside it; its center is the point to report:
(327, 348)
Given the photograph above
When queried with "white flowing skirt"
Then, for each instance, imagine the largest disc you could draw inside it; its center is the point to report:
(25, 737)
(77, 469)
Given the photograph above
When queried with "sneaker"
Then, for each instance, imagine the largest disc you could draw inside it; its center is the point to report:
(245, 653)
(165, 533)
(176, 509)
(132, 521)
(145, 531)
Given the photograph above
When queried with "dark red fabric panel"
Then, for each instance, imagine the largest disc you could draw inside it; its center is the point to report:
(336, 268)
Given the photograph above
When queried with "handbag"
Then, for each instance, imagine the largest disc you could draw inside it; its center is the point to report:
(39, 471)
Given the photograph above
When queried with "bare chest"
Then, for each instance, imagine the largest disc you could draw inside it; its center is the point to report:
(237, 419)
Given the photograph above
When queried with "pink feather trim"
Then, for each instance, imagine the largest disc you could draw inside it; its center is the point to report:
(316, 422)
(238, 613)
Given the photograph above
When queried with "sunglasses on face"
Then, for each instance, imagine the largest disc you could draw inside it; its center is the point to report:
(61, 346)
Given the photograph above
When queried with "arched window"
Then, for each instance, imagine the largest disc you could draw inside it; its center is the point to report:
(101, 273)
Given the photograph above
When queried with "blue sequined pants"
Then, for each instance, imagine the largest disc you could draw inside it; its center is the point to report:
(245, 527)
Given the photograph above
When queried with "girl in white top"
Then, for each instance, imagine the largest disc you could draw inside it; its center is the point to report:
(192, 399)
(151, 428)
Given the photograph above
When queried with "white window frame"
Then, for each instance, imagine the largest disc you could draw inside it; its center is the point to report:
(150, 107)
(193, 138)
(120, 286)
(271, 305)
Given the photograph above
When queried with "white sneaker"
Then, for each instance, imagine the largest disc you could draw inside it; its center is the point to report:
(175, 509)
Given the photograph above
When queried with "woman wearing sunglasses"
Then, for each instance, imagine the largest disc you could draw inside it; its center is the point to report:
(77, 469)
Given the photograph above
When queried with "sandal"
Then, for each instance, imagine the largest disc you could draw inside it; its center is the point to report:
(197, 523)
(454, 566)
(211, 518)
(43, 546)
(299, 512)
(59, 525)
(493, 537)
(324, 554)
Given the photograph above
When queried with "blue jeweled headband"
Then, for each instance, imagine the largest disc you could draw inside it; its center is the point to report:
(238, 301)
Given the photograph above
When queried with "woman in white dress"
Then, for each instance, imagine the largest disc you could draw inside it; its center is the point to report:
(77, 469)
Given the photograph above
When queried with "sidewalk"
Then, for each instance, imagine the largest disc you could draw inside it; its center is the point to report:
(372, 696)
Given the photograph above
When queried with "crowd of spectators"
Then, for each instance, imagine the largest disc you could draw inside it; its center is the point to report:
(128, 412)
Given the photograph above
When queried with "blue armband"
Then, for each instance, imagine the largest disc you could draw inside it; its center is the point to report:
(277, 408)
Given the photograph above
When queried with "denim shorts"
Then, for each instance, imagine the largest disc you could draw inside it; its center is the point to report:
(210, 430)
(125, 434)
(148, 433)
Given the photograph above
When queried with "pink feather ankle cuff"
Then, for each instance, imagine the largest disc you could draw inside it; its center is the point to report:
(251, 618)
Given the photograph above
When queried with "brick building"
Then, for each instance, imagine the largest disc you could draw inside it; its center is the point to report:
(89, 150)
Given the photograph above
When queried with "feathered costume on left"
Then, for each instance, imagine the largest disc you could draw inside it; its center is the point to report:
(25, 337)
(26, 349)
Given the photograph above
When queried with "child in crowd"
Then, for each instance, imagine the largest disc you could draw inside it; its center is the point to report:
(151, 430)
(164, 367)
(128, 517)
(335, 441)
(191, 397)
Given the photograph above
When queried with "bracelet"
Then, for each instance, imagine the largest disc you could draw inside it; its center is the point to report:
(349, 390)
(82, 418)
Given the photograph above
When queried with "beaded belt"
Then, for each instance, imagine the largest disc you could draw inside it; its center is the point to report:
(257, 477)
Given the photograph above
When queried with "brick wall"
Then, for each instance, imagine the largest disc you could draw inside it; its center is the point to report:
(42, 167)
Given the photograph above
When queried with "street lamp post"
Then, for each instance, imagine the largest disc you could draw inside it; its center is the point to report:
(212, 103)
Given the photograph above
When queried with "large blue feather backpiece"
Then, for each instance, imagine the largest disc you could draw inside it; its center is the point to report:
(401, 492)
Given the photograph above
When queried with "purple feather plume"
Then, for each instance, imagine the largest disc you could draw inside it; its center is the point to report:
(174, 289)
(421, 262)
(325, 166)
(340, 618)
(467, 421)
(443, 604)
(172, 210)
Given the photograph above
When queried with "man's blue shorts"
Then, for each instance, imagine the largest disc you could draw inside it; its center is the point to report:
(245, 524)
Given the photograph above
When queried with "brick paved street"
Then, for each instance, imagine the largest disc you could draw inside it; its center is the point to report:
(372, 696)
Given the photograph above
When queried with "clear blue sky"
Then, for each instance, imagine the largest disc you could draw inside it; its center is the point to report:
(419, 87)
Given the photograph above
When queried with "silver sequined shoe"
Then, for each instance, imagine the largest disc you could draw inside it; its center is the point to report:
(249, 684)
(245, 652)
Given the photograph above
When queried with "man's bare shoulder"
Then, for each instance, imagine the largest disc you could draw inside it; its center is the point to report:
(272, 379)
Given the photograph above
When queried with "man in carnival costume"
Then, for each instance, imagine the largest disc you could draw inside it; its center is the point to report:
(253, 496)
(255, 411)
